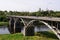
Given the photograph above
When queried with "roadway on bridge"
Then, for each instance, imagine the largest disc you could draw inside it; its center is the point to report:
(37, 18)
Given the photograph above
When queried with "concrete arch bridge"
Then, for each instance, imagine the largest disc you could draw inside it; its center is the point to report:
(27, 24)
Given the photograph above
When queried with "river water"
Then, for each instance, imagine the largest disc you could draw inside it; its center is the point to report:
(4, 29)
(42, 28)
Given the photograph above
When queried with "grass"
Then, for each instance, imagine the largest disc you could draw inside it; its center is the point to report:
(3, 23)
(38, 36)
(47, 35)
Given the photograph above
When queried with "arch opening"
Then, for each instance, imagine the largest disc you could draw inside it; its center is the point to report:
(19, 26)
(30, 28)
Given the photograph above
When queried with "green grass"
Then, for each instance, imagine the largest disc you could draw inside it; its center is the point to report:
(3, 23)
(47, 35)
(38, 36)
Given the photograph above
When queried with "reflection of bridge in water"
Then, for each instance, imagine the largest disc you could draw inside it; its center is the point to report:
(27, 23)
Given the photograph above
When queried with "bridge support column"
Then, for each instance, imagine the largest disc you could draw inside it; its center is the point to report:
(29, 31)
(51, 23)
(15, 19)
(57, 25)
(11, 25)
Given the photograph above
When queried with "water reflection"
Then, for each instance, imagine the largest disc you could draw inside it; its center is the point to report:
(41, 28)
(4, 30)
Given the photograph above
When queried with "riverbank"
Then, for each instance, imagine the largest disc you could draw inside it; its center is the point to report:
(4, 23)
(38, 36)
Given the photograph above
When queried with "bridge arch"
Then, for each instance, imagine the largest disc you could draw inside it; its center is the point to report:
(41, 22)
(22, 21)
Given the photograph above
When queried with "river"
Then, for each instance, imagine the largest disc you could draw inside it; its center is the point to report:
(4, 29)
(41, 28)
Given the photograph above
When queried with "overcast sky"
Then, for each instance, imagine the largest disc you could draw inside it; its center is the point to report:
(29, 5)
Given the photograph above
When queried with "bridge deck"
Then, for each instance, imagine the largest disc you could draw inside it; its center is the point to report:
(38, 18)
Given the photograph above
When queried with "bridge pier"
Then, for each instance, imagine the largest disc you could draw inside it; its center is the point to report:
(29, 31)
(9, 28)
(11, 25)
(15, 25)
(15, 20)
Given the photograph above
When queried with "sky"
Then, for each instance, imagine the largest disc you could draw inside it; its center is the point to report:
(29, 5)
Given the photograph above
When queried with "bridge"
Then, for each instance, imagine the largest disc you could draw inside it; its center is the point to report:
(27, 24)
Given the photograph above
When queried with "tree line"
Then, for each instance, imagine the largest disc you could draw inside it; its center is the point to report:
(48, 13)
